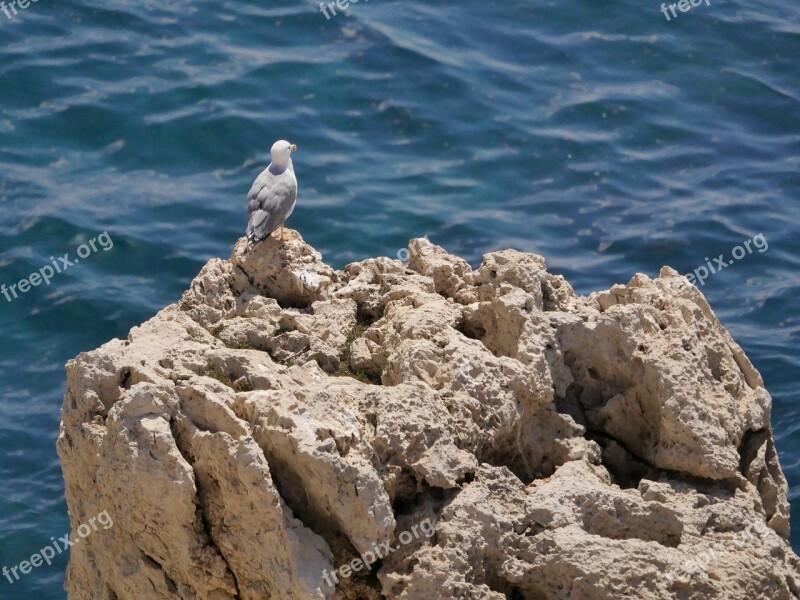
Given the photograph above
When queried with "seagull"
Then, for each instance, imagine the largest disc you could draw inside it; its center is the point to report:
(272, 198)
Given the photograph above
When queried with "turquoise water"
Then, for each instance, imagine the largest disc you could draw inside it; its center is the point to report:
(597, 134)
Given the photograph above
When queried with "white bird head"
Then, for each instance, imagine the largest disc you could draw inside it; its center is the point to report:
(282, 153)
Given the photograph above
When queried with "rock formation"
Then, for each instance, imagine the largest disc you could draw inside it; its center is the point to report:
(284, 418)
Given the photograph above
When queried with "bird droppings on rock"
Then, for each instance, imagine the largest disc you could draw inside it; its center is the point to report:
(284, 417)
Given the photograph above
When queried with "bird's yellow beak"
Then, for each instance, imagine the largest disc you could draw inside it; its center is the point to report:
(293, 148)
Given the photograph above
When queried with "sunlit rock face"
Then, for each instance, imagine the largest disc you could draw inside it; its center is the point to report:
(285, 418)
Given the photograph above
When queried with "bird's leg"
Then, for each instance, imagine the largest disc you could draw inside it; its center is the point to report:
(283, 235)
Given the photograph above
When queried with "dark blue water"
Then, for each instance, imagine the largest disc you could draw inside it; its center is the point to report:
(595, 133)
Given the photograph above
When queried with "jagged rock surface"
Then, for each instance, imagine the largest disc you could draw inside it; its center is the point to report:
(284, 418)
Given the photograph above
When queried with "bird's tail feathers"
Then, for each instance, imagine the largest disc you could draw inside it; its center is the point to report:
(252, 242)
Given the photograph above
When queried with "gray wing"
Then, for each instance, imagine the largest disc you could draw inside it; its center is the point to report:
(270, 201)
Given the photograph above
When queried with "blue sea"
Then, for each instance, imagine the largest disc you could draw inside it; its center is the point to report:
(598, 134)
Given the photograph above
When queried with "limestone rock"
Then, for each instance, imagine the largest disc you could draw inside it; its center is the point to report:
(284, 418)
